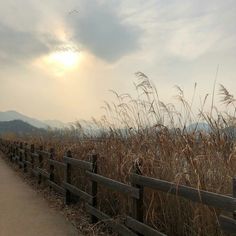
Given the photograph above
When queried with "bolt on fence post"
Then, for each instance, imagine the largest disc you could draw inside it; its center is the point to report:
(234, 194)
(94, 187)
(51, 166)
(40, 164)
(137, 204)
(68, 178)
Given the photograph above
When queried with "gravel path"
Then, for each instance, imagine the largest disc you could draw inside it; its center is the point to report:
(24, 213)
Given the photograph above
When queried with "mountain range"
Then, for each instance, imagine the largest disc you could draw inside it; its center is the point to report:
(7, 118)
(14, 115)
(15, 122)
(19, 128)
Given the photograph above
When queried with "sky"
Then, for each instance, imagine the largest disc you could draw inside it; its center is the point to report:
(59, 59)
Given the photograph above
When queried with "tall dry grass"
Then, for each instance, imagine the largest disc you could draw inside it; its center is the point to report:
(147, 130)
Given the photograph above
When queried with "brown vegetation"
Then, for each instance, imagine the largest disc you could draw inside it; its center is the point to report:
(155, 134)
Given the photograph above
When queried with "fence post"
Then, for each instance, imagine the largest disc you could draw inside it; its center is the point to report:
(94, 187)
(32, 157)
(13, 151)
(137, 204)
(68, 178)
(25, 157)
(8, 147)
(40, 164)
(234, 194)
(51, 166)
(20, 155)
(17, 153)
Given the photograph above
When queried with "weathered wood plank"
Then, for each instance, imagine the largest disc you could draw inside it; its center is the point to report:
(77, 192)
(68, 199)
(56, 187)
(94, 187)
(208, 198)
(115, 185)
(142, 228)
(137, 204)
(119, 228)
(227, 224)
(57, 163)
(234, 194)
(51, 171)
(43, 172)
(82, 164)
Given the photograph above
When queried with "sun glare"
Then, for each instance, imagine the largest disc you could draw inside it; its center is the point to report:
(60, 62)
(65, 59)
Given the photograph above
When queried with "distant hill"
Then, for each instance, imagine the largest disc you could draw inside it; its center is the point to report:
(199, 127)
(230, 132)
(14, 115)
(56, 124)
(18, 127)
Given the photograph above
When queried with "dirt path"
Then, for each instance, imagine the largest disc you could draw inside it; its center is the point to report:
(24, 213)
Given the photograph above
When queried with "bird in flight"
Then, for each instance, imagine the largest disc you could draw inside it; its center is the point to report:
(73, 12)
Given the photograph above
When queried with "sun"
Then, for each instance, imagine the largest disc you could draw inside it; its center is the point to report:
(64, 59)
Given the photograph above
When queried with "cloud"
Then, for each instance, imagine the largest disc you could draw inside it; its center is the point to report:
(189, 42)
(203, 32)
(190, 30)
(19, 46)
(99, 29)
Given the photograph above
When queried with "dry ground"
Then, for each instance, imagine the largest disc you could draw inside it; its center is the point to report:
(23, 212)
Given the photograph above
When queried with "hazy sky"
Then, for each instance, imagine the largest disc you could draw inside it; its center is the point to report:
(58, 59)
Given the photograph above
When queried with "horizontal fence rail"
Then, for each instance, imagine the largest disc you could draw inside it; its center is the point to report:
(208, 198)
(141, 227)
(56, 187)
(115, 185)
(228, 224)
(77, 192)
(81, 164)
(42, 164)
(117, 227)
(56, 163)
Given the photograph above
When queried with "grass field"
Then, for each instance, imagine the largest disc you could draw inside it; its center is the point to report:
(154, 134)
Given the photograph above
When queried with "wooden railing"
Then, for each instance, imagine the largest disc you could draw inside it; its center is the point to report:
(35, 160)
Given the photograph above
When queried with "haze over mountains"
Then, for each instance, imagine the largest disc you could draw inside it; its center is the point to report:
(15, 122)
(14, 115)
(19, 127)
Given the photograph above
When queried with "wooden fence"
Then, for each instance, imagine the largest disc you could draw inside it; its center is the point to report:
(32, 159)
